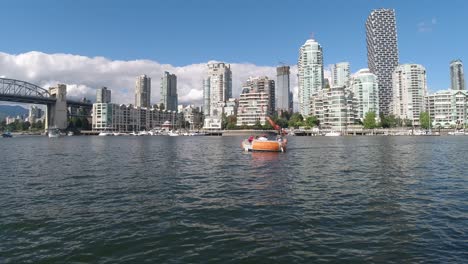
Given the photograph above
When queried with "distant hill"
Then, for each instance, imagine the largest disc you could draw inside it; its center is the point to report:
(12, 110)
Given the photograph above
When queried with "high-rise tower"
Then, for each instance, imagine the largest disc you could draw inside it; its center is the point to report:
(217, 89)
(409, 92)
(103, 95)
(143, 91)
(457, 77)
(340, 74)
(169, 91)
(382, 52)
(283, 92)
(310, 73)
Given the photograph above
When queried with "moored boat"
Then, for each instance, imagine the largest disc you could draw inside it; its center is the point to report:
(7, 135)
(264, 144)
(53, 133)
(104, 133)
(333, 134)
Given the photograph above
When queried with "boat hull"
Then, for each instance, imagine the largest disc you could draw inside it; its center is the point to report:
(267, 145)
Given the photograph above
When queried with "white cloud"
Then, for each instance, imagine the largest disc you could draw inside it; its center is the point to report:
(83, 75)
(427, 26)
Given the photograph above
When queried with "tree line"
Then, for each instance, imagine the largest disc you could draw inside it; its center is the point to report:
(296, 120)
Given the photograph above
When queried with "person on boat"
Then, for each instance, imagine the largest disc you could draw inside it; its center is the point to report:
(279, 138)
(263, 138)
(251, 138)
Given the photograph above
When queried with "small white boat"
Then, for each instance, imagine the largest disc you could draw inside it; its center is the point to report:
(104, 134)
(456, 133)
(117, 134)
(173, 134)
(70, 133)
(143, 133)
(53, 133)
(333, 134)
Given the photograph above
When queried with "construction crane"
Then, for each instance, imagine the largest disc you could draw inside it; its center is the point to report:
(275, 126)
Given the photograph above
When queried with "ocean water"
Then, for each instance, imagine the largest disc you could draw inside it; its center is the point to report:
(203, 200)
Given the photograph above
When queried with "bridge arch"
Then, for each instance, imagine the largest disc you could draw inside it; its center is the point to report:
(14, 87)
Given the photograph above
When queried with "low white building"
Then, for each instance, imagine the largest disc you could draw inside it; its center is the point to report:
(231, 107)
(128, 118)
(191, 114)
(448, 108)
(253, 107)
(335, 108)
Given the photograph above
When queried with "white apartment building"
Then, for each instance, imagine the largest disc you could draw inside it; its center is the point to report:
(143, 91)
(340, 74)
(231, 107)
(217, 89)
(191, 114)
(335, 108)
(366, 92)
(448, 108)
(310, 73)
(409, 92)
(254, 103)
(128, 118)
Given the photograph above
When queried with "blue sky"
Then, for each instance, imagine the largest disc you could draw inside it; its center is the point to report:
(180, 33)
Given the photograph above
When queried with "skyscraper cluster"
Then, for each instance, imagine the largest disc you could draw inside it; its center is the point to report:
(386, 87)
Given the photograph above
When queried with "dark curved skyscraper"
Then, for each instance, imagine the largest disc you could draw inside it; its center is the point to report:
(382, 53)
(457, 77)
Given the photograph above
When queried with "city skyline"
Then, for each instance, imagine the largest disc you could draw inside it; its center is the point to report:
(83, 72)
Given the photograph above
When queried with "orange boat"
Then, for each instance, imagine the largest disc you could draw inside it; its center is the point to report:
(263, 144)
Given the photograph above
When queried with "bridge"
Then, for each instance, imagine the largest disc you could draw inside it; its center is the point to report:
(55, 98)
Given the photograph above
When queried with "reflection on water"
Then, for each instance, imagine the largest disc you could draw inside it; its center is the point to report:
(204, 200)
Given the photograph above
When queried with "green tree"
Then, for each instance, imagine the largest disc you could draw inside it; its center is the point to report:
(161, 106)
(231, 122)
(296, 120)
(282, 122)
(267, 126)
(388, 121)
(407, 122)
(39, 125)
(425, 120)
(257, 125)
(312, 121)
(369, 120)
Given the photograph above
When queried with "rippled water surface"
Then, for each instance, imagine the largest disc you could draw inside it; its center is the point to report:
(202, 200)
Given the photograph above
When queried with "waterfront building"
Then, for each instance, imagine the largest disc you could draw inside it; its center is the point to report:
(335, 108)
(103, 95)
(35, 114)
(192, 115)
(284, 99)
(310, 73)
(409, 92)
(217, 89)
(366, 92)
(382, 53)
(340, 74)
(169, 91)
(10, 120)
(129, 118)
(457, 76)
(230, 109)
(263, 84)
(143, 91)
(448, 108)
(253, 107)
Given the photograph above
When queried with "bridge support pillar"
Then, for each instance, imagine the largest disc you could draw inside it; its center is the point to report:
(56, 116)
